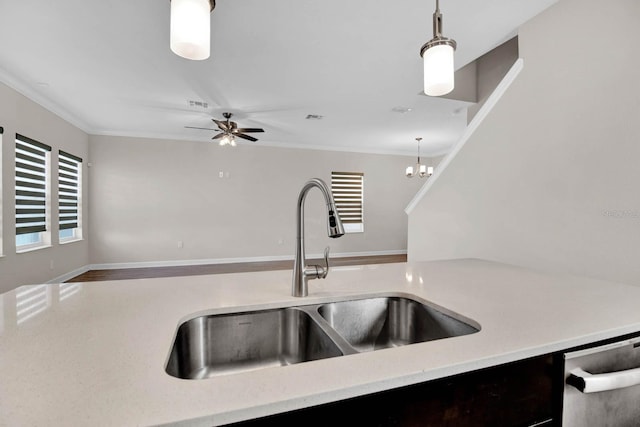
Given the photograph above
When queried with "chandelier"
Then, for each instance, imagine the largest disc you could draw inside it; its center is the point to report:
(420, 169)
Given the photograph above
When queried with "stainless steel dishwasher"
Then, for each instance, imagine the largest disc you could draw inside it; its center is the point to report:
(602, 385)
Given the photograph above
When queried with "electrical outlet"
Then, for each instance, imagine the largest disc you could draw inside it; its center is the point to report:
(180, 244)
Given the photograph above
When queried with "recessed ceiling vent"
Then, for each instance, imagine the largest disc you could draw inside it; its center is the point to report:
(401, 110)
(314, 117)
(198, 104)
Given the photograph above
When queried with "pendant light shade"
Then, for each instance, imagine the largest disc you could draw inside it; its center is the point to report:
(437, 54)
(438, 70)
(191, 28)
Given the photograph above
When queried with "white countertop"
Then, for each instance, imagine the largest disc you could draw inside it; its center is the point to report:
(94, 353)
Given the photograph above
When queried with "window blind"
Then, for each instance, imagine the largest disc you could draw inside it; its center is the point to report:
(69, 167)
(347, 189)
(31, 185)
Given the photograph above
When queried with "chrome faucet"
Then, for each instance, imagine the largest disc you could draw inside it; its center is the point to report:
(301, 272)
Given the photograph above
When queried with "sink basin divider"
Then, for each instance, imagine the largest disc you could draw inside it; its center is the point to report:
(341, 343)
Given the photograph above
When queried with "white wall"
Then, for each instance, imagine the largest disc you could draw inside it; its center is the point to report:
(21, 115)
(147, 194)
(551, 180)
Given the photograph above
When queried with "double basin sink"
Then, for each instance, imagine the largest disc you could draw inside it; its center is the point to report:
(219, 344)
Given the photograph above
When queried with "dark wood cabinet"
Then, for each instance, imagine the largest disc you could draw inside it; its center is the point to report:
(515, 394)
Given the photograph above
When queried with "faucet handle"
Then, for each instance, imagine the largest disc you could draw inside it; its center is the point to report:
(326, 263)
(318, 271)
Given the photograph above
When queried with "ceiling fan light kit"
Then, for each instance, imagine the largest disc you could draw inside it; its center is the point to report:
(191, 28)
(437, 54)
(227, 140)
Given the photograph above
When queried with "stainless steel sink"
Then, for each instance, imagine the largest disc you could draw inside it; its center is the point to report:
(219, 344)
(376, 323)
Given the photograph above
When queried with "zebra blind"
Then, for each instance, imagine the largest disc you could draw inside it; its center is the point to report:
(32, 165)
(347, 189)
(69, 168)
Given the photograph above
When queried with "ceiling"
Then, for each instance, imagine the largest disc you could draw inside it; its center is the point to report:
(106, 67)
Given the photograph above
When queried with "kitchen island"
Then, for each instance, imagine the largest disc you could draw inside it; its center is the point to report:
(95, 353)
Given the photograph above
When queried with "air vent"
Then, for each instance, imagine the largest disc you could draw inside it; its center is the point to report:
(314, 117)
(401, 110)
(198, 104)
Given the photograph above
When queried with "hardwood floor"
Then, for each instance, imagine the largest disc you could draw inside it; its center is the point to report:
(195, 270)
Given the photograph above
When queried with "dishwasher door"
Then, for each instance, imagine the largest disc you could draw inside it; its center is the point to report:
(602, 386)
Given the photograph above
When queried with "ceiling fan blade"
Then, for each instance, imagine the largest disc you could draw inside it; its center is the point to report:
(243, 136)
(221, 125)
(218, 136)
(193, 127)
(248, 130)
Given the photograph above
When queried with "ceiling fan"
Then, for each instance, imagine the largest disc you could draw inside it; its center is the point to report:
(229, 131)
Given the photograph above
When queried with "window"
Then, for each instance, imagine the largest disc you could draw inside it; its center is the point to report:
(69, 196)
(32, 193)
(348, 190)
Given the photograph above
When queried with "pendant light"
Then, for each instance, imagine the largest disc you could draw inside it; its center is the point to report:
(420, 169)
(437, 54)
(191, 28)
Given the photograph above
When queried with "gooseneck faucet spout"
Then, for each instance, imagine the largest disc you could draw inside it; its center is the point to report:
(301, 272)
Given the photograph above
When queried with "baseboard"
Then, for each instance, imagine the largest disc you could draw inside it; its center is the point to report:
(181, 263)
